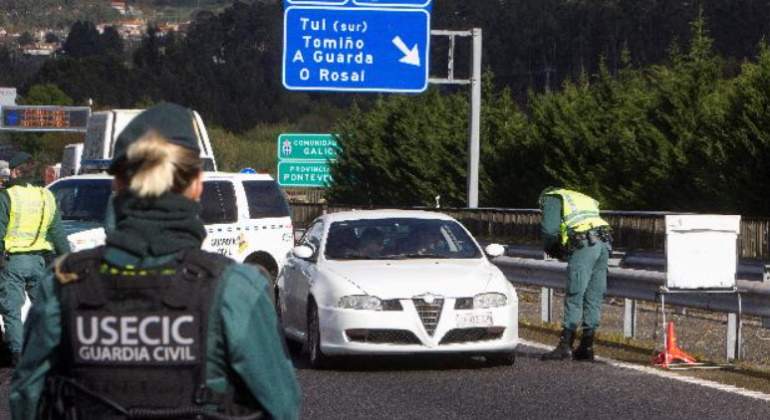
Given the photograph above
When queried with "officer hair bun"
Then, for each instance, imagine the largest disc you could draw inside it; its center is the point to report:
(158, 166)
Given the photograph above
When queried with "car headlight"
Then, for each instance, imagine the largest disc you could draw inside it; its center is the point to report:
(360, 302)
(489, 300)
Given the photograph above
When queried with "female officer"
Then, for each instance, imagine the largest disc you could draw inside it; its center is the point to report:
(150, 326)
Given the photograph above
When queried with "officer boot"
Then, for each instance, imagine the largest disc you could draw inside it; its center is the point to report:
(585, 350)
(564, 349)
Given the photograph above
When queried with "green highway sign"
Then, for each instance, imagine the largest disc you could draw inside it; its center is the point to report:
(322, 147)
(303, 174)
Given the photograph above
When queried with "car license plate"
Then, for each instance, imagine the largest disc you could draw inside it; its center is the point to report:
(474, 320)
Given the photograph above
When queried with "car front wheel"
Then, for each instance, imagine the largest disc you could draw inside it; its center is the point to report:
(315, 356)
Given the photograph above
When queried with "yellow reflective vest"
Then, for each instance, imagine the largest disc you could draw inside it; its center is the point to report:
(31, 214)
(580, 213)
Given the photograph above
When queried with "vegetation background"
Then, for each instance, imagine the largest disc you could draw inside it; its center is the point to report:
(645, 104)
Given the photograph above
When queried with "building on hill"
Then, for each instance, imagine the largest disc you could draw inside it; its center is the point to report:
(39, 49)
(120, 6)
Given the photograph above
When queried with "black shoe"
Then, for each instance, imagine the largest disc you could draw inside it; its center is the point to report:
(585, 350)
(563, 350)
(15, 358)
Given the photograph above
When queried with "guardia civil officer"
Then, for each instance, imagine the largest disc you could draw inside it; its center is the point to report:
(30, 232)
(573, 230)
(150, 326)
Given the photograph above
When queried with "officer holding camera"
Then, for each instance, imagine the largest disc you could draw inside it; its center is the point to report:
(574, 231)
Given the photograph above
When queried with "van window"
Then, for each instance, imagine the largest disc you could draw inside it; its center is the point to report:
(82, 200)
(208, 164)
(218, 202)
(265, 199)
(95, 133)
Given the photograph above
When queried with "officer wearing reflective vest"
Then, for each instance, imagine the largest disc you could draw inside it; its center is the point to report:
(150, 326)
(573, 230)
(31, 231)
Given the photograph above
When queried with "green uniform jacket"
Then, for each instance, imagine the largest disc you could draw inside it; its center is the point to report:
(550, 227)
(55, 234)
(243, 336)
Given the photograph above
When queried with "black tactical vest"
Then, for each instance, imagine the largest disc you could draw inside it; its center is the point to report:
(134, 342)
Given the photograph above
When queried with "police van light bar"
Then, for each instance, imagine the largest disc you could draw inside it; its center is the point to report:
(96, 164)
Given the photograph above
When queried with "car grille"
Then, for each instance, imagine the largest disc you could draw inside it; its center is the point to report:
(430, 313)
(382, 336)
(469, 335)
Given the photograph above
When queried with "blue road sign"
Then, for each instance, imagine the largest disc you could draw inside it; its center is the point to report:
(316, 2)
(394, 3)
(356, 49)
(377, 3)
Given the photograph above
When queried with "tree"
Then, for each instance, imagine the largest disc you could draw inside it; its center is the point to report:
(51, 38)
(83, 41)
(405, 151)
(690, 98)
(26, 39)
(111, 43)
(105, 79)
(46, 94)
(745, 134)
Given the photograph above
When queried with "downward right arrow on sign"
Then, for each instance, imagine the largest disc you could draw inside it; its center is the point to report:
(411, 56)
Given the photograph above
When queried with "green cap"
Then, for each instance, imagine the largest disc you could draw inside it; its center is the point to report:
(173, 122)
(19, 159)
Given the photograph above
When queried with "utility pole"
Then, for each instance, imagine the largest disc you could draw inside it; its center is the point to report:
(548, 70)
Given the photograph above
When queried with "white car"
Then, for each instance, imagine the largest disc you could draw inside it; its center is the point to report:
(395, 282)
(246, 215)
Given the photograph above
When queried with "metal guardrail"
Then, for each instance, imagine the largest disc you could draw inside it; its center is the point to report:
(632, 230)
(750, 270)
(644, 285)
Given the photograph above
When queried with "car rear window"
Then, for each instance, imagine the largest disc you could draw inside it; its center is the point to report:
(218, 202)
(265, 199)
(82, 200)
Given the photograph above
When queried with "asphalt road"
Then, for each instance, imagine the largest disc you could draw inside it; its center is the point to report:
(531, 389)
(426, 388)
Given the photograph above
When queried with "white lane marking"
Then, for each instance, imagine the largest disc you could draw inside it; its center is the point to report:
(668, 375)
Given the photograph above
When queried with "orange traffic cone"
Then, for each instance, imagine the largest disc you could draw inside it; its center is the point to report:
(672, 352)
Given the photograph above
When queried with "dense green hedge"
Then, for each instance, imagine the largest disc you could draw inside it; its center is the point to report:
(681, 136)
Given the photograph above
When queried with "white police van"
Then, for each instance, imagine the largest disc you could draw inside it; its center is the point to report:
(103, 130)
(247, 217)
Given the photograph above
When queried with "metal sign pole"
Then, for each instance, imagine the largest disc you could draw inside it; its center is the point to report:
(475, 128)
(474, 140)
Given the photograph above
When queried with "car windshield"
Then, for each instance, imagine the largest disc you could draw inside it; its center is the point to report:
(399, 239)
(83, 199)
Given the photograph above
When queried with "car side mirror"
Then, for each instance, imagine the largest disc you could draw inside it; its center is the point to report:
(303, 252)
(298, 234)
(494, 250)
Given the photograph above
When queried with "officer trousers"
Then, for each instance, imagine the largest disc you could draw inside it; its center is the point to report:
(22, 273)
(586, 286)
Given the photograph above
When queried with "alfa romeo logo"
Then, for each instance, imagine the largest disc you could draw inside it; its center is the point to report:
(429, 298)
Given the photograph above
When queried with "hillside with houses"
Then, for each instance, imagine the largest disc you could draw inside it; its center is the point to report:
(39, 27)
